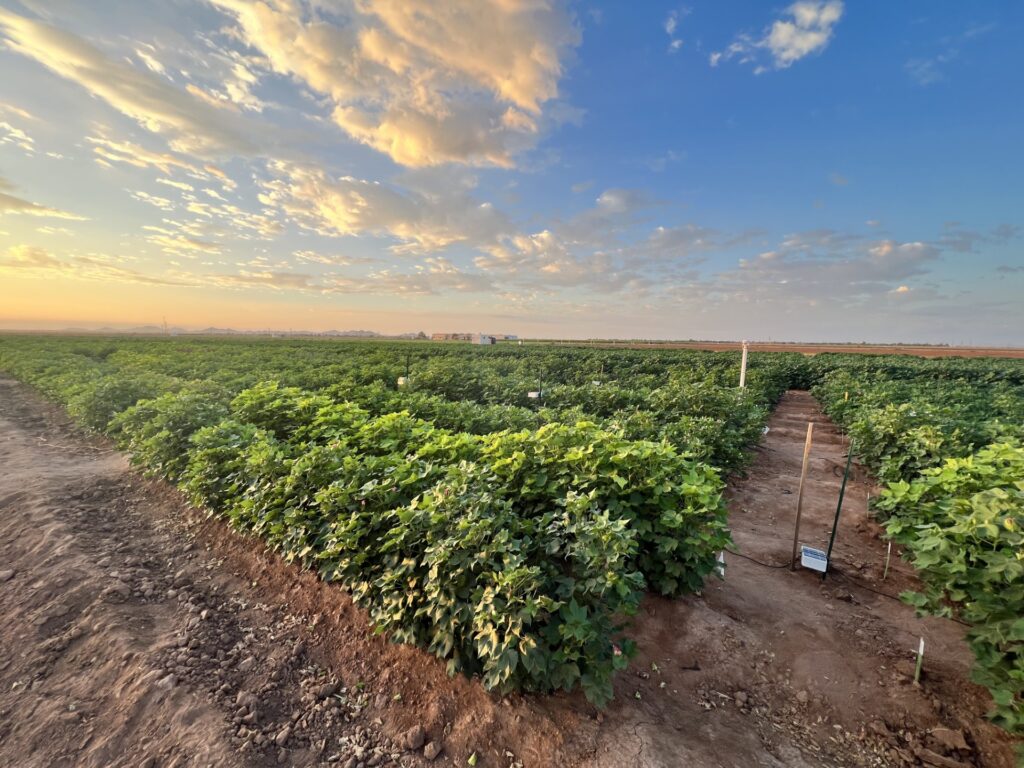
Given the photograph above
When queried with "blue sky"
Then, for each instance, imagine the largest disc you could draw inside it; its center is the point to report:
(820, 170)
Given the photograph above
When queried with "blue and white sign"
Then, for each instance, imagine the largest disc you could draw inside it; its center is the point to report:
(814, 559)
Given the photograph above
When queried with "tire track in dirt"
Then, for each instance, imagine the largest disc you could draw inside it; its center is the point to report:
(123, 644)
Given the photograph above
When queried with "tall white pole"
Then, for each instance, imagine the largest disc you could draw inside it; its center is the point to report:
(743, 367)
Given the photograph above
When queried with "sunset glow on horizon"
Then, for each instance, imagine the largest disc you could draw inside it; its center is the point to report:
(818, 171)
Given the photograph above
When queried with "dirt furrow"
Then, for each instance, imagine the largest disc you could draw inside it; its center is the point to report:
(125, 643)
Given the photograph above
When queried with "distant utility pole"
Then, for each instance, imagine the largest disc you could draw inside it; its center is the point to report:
(165, 326)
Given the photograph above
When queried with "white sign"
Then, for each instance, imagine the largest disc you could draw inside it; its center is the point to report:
(814, 559)
(533, 395)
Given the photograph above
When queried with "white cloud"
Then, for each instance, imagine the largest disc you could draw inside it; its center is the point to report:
(334, 260)
(109, 151)
(930, 69)
(158, 202)
(960, 240)
(24, 114)
(663, 161)
(28, 257)
(822, 265)
(189, 124)
(346, 206)
(435, 276)
(927, 71)
(182, 245)
(620, 200)
(147, 58)
(16, 205)
(424, 81)
(236, 78)
(808, 31)
(15, 136)
(38, 262)
(184, 186)
(671, 26)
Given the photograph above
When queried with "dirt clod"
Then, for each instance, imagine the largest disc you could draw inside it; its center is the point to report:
(283, 735)
(948, 740)
(432, 750)
(928, 757)
(414, 738)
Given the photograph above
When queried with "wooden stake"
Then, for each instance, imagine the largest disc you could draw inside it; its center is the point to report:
(888, 554)
(800, 492)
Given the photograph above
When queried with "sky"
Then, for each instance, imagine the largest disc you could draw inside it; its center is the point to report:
(815, 171)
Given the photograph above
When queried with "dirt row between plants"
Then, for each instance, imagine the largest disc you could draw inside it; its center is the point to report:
(138, 632)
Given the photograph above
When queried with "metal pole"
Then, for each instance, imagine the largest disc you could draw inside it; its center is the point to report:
(800, 493)
(839, 507)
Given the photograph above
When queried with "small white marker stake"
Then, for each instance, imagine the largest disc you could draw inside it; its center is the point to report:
(888, 554)
(743, 367)
(721, 564)
(920, 659)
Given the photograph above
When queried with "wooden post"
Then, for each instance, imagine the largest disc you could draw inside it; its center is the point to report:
(743, 367)
(800, 492)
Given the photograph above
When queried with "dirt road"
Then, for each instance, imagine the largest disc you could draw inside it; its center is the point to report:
(137, 632)
(124, 641)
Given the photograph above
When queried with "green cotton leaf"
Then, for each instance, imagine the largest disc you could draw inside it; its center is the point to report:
(1016, 631)
(915, 599)
(1003, 697)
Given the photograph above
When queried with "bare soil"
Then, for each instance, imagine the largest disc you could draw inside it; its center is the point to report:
(139, 632)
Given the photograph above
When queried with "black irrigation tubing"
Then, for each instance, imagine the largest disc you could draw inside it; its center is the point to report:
(862, 585)
(856, 582)
(758, 562)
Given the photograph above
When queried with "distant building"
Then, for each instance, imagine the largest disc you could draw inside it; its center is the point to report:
(475, 338)
(451, 337)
